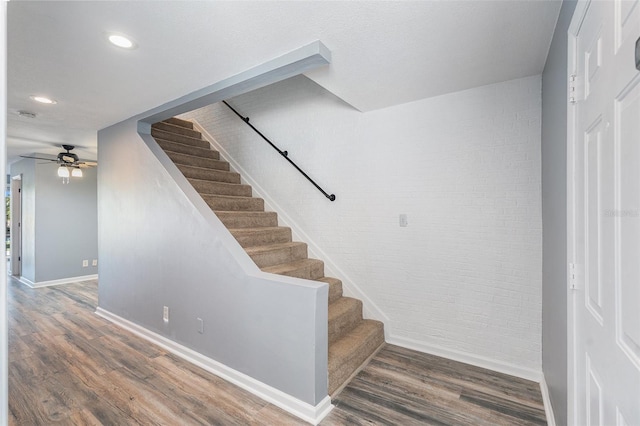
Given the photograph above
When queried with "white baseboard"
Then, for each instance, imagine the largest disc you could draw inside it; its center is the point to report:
(50, 283)
(370, 309)
(546, 399)
(300, 409)
(467, 358)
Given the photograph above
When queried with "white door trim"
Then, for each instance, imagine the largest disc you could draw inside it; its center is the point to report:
(572, 63)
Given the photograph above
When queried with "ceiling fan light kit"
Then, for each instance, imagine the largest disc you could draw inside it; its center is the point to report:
(63, 172)
(69, 163)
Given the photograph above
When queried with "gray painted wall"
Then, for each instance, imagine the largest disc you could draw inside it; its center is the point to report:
(554, 216)
(59, 222)
(66, 224)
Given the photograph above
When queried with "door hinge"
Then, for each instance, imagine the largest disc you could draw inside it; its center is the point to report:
(573, 281)
(573, 89)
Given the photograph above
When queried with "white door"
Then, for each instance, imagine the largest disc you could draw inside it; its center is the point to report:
(605, 215)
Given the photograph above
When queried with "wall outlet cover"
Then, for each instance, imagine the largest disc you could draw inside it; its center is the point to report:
(165, 314)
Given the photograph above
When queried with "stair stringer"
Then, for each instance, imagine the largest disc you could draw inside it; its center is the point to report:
(369, 308)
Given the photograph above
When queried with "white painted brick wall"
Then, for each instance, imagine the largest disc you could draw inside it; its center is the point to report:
(465, 275)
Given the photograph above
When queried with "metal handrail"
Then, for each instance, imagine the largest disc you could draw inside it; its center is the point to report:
(285, 154)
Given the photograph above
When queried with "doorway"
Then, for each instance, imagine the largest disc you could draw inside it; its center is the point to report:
(16, 226)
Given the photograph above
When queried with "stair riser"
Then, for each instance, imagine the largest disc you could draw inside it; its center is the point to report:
(209, 174)
(344, 323)
(335, 292)
(179, 138)
(280, 235)
(188, 149)
(256, 220)
(177, 129)
(335, 288)
(277, 257)
(178, 122)
(234, 204)
(310, 273)
(219, 188)
(191, 160)
(340, 373)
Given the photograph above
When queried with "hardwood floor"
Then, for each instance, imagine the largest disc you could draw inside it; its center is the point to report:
(69, 366)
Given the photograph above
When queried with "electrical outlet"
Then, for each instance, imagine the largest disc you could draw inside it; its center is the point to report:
(85, 263)
(403, 220)
(94, 262)
(165, 314)
(200, 326)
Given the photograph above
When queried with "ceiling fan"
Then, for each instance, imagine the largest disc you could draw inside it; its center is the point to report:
(70, 164)
(68, 159)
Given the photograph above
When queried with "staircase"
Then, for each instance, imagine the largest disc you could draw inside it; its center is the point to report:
(352, 339)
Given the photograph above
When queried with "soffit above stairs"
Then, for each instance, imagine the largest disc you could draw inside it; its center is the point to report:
(383, 53)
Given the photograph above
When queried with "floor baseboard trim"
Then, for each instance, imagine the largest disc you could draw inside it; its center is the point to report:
(546, 399)
(300, 409)
(467, 358)
(50, 283)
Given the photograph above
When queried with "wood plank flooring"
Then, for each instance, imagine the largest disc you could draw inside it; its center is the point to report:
(68, 366)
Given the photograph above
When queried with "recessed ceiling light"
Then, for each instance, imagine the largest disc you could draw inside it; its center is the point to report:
(43, 99)
(121, 41)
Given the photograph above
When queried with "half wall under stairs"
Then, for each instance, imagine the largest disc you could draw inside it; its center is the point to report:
(352, 339)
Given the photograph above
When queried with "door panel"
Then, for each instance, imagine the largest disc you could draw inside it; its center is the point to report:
(627, 119)
(606, 221)
(593, 230)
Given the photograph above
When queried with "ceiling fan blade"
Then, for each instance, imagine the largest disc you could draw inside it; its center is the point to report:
(87, 164)
(39, 158)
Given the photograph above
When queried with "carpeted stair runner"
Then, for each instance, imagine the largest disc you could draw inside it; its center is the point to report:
(352, 339)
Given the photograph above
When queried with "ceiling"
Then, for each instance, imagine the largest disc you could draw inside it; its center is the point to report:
(383, 54)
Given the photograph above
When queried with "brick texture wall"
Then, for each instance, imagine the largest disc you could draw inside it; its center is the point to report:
(463, 279)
